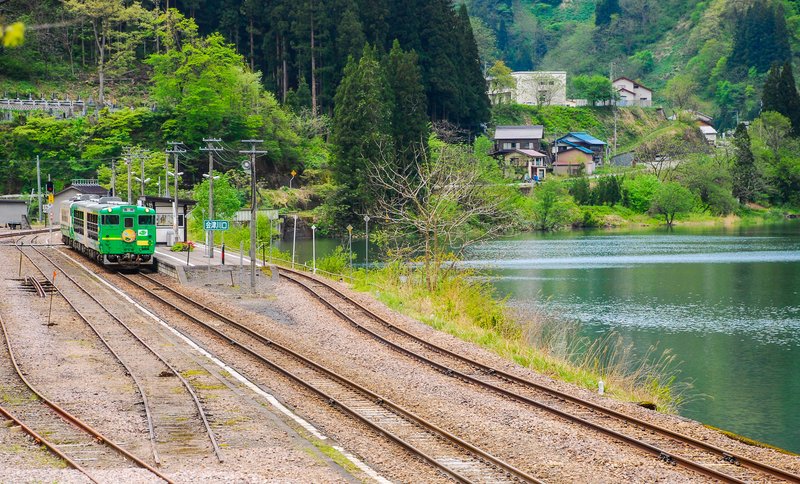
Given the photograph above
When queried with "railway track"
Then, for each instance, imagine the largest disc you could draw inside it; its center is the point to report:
(453, 456)
(68, 437)
(667, 445)
(169, 418)
(23, 233)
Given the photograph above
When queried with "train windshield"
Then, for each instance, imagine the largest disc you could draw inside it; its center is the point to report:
(110, 220)
(147, 219)
(128, 222)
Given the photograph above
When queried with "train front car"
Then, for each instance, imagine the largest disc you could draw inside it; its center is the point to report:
(113, 232)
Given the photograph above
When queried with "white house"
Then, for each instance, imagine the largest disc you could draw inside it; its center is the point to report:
(710, 133)
(537, 88)
(632, 93)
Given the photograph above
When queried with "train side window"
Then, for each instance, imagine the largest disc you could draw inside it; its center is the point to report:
(147, 219)
(128, 222)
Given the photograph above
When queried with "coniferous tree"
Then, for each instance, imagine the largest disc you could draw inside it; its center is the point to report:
(760, 37)
(771, 97)
(743, 173)
(409, 107)
(475, 102)
(361, 131)
(790, 98)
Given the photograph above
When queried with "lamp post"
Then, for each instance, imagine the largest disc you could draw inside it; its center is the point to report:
(366, 245)
(350, 248)
(314, 248)
(294, 237)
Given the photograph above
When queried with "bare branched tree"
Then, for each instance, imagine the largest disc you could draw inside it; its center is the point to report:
(439, 209)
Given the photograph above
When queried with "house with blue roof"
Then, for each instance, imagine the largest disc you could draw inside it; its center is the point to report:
(577, 152)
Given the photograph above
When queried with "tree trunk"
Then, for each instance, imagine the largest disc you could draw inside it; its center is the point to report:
(252, 50)
(313, 67)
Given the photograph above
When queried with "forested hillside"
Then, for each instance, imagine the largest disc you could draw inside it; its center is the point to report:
(300, 48)
(716, 52)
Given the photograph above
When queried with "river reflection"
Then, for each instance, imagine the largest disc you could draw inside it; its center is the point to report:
(726, 301)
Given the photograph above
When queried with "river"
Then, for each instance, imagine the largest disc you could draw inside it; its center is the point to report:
(725, 300)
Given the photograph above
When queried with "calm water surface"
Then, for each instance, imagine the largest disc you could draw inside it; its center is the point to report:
(726, 301)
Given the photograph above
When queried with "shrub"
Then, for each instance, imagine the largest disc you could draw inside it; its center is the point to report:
(639, 191)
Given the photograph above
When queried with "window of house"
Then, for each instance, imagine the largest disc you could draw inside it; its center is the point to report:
(506, 146)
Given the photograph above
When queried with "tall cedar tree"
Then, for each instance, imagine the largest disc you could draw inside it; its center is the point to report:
(780, 95)
(282, 45)
(743, 173)
(760, 37)
(791, 100)
(409, 107)
(604, 10)
(361, 131)
(476, 107)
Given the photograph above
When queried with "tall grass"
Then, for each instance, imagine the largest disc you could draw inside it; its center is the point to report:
(467, 307)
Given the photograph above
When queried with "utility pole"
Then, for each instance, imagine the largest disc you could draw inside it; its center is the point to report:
(166, 175)
(113, 178)
(39, 186)
(128, 162)
(141, 158)
(611, 79)
(253, 206)
(176, 150)
(211, 149)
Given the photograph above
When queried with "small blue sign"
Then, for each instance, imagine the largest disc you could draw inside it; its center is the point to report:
(215, 225)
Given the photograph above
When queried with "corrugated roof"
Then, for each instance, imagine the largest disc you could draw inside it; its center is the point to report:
(708, 129)
(583, 136)
(532, 153)
(85, 189)
(573, 146)
(519, 132)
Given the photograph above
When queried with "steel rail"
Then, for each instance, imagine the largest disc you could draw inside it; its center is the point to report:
(726, 456)
(36, 285)
(186, 384)
(23, 233)
(376, 398)
(127, 369)
(74, 420)
(53, 448)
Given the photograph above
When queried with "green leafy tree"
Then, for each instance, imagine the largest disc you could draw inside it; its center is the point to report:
(500, 80)
(608, 191)
(106, 16)
(670, 199)
(594, 88)
(227, 199)
(681, 92)
(553, 207)
(638, 192)
(581, 191)
(710, 182)
(206, 88)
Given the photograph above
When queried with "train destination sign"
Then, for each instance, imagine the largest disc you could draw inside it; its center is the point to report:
(215, 225)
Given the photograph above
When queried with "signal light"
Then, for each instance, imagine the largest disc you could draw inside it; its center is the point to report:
(49, 187)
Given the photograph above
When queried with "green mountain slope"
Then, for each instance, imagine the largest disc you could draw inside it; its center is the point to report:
(721, 48)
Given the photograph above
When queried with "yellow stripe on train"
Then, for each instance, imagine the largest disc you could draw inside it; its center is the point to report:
(143, 242)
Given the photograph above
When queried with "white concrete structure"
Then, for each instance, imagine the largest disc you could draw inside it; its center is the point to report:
(536, 88)
(12, 212)
(631, 93)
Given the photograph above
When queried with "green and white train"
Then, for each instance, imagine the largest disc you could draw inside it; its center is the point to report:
(110, 231)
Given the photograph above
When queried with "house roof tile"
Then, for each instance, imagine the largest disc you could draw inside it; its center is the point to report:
(519, 132)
